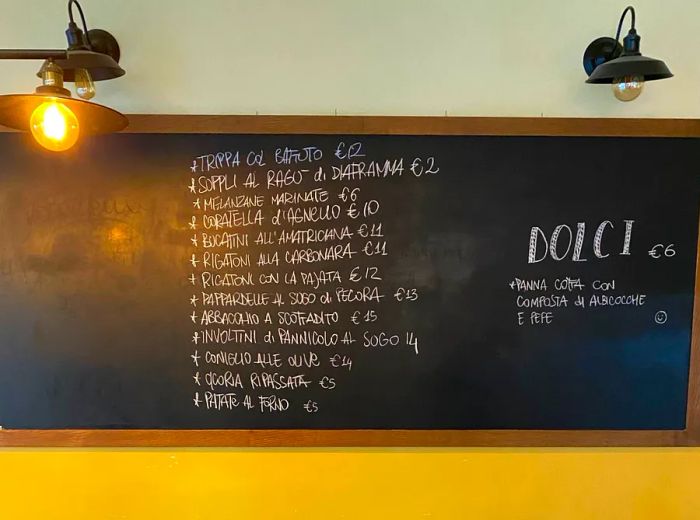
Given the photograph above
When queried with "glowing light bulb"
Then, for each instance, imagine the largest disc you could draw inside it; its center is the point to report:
(628, 88)
(84, 86)
(54, 126)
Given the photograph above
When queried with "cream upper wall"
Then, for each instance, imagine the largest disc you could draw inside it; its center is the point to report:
(466, 57)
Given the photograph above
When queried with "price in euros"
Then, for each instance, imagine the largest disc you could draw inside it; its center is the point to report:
(327, 383)
(311, 406)
(408, 295)
(374, 248)
(661, 251)
(426, 166)
(359, 316)
(349, 194)
(373, 230)
(338, 361)
(365, 209)
(370, 273)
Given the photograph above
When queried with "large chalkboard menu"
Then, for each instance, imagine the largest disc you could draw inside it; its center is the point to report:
(240, 281)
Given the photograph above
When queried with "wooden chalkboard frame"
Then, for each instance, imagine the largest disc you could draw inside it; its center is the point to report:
(382, 125)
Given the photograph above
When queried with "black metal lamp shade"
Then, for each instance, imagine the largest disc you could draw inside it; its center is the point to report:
(16, 111)
(100, 66)
(650, 68)
(605, 59)
(100, 59)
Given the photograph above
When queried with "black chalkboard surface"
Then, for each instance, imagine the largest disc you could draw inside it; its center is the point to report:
(207, 281)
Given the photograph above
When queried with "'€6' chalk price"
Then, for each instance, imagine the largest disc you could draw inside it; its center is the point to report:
(662, 251)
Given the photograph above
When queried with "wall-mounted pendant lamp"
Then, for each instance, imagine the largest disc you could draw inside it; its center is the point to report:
(623, 66)
(51, 114)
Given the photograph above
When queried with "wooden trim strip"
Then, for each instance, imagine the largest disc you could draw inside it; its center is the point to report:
(693, 407)
(412, 125)
(341, 438)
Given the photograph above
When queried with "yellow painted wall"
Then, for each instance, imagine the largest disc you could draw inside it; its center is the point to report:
(466, 57)
(241, 484)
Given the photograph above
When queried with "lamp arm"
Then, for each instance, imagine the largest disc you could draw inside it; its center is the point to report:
(82, 18)
(47, 54)
(628, 9)
(33, 54)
